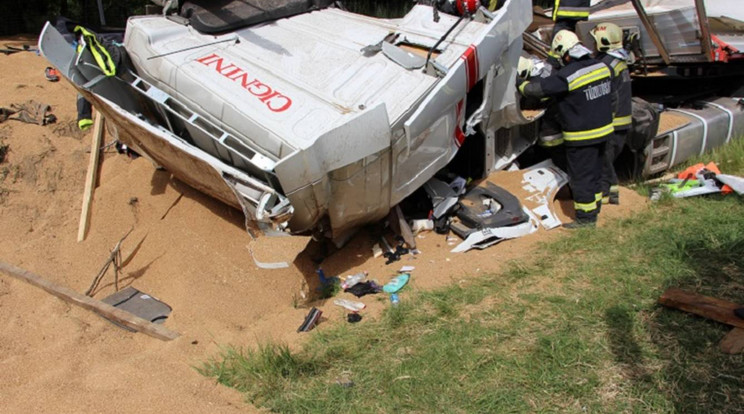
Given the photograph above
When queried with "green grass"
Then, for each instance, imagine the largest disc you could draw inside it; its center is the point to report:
(575, 329)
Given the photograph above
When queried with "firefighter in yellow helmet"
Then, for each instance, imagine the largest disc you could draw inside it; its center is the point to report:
(608, 38)
(550, 136)
(583, 92)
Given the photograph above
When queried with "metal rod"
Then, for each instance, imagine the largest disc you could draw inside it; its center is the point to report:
(651, 31)
(193, 47)
(441, 39)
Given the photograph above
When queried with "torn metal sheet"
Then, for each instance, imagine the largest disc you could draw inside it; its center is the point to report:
(405, 59)
(736, 183)
(443, 197)
(490, 236)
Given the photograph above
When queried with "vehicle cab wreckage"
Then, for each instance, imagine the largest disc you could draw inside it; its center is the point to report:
(309, 118)
(315, 120)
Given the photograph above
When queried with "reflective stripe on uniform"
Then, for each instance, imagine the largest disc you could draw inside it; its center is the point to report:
(598, 196)
(614, 189)
(585, 207)
(588, 134)
(618, 66)
(574, 12)
(100, 54)
(622, 120)
(577, 12)
(550, 140)
(606, 200)
(588, 75)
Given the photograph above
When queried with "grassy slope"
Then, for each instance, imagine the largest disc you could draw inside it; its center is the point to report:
(575, 329)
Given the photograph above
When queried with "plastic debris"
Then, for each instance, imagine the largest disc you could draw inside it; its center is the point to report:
(311, 320)
(364, 288)
(350, 305)
(396, 283)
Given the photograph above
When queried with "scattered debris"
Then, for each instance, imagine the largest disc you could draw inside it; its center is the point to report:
(140, 304)
(489, 236)
(51, 74)
(104, 309)
(312, 319)
(376, 249)
(30, 112)
(352, 280)
(350, 305)
(394, 299)
(487, 206)
(406, 269)
(353, 318)
(396, 283)
(698, 180)
(364, 288)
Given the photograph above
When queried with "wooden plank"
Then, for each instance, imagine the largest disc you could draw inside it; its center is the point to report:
(107, 311)
(733, 342)
(705, 306)
(90, 178)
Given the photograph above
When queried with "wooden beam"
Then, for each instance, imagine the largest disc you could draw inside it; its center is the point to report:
(104, 309)
(651, 30)
(705, 306)
(705, 40)
(90, 178)
(733, 342)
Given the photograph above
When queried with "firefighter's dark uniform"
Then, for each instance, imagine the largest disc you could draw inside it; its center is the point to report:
(566, 13)
(583, 92)
(622, 120)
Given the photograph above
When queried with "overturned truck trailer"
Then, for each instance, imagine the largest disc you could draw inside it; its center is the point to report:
(311, 119)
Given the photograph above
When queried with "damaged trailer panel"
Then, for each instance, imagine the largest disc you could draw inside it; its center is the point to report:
(299, 121)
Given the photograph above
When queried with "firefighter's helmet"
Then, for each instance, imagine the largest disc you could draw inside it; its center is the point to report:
(524, 68)
(562, 42)
(467, 6)
(608, 36)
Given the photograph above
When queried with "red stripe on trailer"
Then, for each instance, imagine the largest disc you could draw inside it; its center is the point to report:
(459, 135)
(471, 65)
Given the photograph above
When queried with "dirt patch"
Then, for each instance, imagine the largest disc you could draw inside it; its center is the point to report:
(185, 248)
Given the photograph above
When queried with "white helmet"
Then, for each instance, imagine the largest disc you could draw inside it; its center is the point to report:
(562, 42)
(524, 68)
(608, 36)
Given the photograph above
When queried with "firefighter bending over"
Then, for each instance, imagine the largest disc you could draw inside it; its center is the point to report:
(583, 92)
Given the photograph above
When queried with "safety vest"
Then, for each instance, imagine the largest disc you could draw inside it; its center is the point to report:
(100, 54)
(621, 83)
(571, 10)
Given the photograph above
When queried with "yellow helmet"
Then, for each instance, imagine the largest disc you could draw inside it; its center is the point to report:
(608, 36)
(524, 67)
(562, 42)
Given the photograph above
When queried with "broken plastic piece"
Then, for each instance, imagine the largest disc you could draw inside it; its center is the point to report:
(490, 236)
(311, 320)
(736, 183)
(406, 269)
(350, 305)
(364, 288)
(263, 265)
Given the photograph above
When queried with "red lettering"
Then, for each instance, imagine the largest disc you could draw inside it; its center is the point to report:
(259, 85)
(282, 108)
(275, 101)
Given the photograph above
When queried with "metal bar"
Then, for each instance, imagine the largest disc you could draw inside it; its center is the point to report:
(704, 30)
(651, 30)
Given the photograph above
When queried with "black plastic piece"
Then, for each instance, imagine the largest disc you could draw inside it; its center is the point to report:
(474, 215)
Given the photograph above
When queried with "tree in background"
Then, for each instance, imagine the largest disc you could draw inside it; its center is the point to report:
(28, 16)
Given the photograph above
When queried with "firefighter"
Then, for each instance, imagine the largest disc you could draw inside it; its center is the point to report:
(583, 92)
(566, 13)
(609, 40)
(549, 137)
